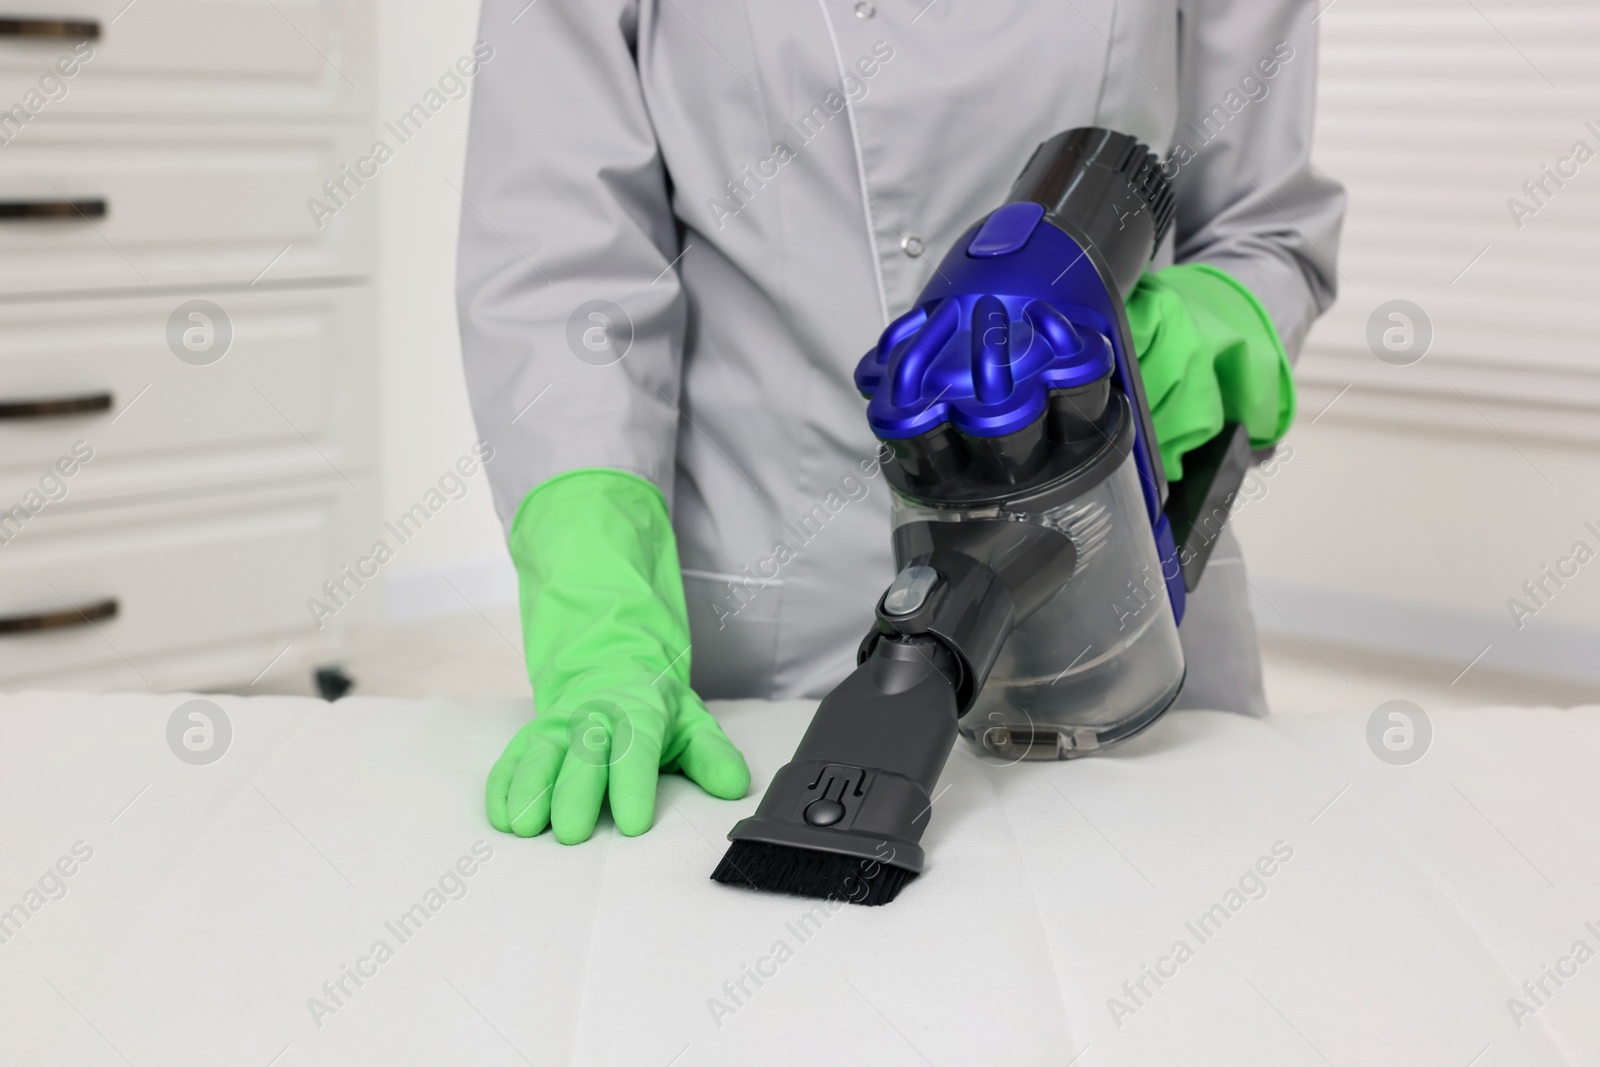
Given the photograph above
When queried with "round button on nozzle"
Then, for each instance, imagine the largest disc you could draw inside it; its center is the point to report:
(824, 812)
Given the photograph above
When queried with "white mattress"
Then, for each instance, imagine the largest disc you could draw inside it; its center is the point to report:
(1406, 907)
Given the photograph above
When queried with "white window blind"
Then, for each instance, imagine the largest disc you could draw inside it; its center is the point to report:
(1439, 115)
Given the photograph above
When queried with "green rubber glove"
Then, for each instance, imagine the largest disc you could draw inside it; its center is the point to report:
(1209, 354)
(607, 640)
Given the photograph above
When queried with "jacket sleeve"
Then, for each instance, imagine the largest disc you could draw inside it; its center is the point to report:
(1249, 200)
(571, 319)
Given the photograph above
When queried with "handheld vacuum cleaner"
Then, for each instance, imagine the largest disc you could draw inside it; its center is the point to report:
(1043, 558)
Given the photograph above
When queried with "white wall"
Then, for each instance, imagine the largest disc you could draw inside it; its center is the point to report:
(427, 423)
(1420, 502)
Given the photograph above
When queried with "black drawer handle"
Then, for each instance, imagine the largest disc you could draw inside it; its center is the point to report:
(31, 210)
(59, 620)
(54, 406)
(51, 29)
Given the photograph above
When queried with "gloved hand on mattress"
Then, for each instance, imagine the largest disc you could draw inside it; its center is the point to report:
(607, 639)
(1209, 354)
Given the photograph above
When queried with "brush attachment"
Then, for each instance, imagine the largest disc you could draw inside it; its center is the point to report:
(842, 820)
(805, 872)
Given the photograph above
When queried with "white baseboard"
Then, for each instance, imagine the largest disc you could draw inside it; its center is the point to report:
(416, 593)
(1450, 636)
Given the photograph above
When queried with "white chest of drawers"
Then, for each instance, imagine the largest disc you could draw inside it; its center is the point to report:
(188, 380)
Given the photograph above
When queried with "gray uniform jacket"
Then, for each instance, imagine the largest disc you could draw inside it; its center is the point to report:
(685, 221)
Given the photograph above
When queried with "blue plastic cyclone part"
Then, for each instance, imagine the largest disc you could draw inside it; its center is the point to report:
(1056, 327)
(912, 362)
(993, 335)
(1006, 229)
(1059, 334)
(992, 380)
(981, 361)
(1073, 336)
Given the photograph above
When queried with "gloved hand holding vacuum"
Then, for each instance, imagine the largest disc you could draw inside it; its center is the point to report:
(1209, 355)
(604, 623)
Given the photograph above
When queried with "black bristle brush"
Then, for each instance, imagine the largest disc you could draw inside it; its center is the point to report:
(842, 820)
(805, 872)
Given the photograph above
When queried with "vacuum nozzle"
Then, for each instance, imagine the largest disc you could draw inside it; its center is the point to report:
(841, 821)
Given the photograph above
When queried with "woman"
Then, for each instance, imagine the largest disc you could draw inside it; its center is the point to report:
(685, 220)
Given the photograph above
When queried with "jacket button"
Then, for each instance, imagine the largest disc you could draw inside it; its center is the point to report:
(911, 246)
(865, 10)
